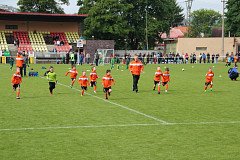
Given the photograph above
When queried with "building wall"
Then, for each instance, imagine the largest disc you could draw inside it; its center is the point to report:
(42, 26)
(212, 45)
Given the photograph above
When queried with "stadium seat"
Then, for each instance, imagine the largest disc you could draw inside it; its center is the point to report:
(3, 41)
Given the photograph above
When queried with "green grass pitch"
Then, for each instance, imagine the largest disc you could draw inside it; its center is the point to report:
(184, 123)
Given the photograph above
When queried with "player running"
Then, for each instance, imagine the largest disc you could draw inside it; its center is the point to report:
(83, 81)
(93, 79)
(73, 75)
(107, 82)
(16, 81)
(52, 79)
(209, 80)
(166, 79)
(157, 78)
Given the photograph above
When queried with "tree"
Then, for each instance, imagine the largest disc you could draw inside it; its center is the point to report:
(203, 21)
(42, 6)
(106, 20)
(85, 6)
(125, 20)
(233, 17)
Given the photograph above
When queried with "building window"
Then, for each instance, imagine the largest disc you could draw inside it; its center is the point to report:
(11, 26)
(201, 48)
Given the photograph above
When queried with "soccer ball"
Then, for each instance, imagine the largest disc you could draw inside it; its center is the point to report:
(110, 90)
(183, 69)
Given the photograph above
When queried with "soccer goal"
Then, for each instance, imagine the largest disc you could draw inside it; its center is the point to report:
(105, 55)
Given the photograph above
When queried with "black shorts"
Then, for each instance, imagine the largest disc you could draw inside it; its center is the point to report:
(73, 79)
(84, 88)
(156, 82)
(15, 86)
(106, 89)
(93, 83)
(52, 85)
(164, 83)
(208, 83)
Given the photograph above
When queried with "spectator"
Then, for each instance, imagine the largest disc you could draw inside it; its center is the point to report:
(213, 58)
(200, 58)
(208, 58)
(217, 56)
(58, 43)
(204, 57)
(81, 57)
(96, 58)
(88, 58)
(61, 43)
(67, 58)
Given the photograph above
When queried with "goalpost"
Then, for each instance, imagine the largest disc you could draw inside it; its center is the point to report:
(105, 55)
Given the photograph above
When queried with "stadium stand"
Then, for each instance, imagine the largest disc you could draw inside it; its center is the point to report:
(24, 41)
(37, 41)
(72, 37)
(61, 37)
(3, 41)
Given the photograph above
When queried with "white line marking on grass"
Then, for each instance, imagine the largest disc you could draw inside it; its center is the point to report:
(117, 125)
(204, 123)
(116, 104)
(77, 127)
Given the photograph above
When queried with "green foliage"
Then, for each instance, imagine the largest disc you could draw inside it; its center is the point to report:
(233, 17)
(125, 20)
(203, 21)
(42, 6)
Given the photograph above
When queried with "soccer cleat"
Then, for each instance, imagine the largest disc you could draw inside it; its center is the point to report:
(158, 92)
(94, 91)
(17, 97)
(109, 93)
(71, 86)
(166, 91)
(205, 91)
(106, 97)
(136, 90)
(153, 89)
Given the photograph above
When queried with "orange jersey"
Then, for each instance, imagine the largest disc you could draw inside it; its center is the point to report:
(16, 78)
(73, 73)
(19, 61)
(93, 76)
(209, 76)
(83, 81)
(158, 75)
(235, 59)
(166, 76)
(136, 67)
(107, 81)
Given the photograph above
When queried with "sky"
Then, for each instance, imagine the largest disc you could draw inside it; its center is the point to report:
(197, 4)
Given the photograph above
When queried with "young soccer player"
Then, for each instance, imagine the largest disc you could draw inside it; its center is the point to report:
(157, 78)
(166, 79)
(73, 75)
(16, 81)
(107, 82)
(83, 81)
(93, 79)
(209, 79)
(52, 79)
(11, 62)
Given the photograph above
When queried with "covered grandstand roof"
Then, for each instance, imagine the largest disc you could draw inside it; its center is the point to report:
(28, 16)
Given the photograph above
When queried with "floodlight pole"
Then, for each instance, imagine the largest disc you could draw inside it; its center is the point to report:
(147, 24)
(223, 28)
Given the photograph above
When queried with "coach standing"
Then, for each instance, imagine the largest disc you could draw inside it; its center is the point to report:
(19, 62)
(136, 67)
